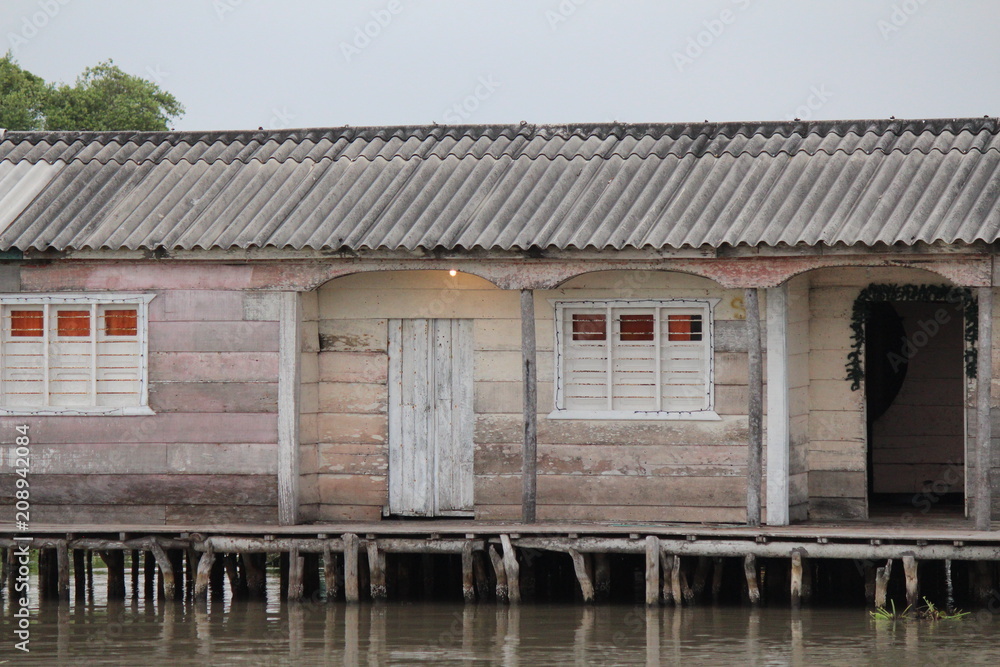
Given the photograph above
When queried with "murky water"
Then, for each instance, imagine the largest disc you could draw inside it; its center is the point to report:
(316, 633)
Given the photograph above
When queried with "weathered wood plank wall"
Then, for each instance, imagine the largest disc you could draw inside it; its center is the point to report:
(663, 470)
(209, 452)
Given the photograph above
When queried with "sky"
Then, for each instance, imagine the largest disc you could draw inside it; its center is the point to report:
(244, 64)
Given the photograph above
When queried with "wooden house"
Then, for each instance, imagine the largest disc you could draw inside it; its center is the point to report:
(365, 323)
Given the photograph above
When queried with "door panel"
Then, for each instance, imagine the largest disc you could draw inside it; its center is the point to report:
(430, 417)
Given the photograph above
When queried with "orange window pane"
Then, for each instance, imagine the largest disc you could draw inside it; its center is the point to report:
(121, 322)
(684, 327)
(73, 322)
(637, 327)
(589, 327)
(26, 323)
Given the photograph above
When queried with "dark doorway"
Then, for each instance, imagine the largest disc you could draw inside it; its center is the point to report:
(914, 379)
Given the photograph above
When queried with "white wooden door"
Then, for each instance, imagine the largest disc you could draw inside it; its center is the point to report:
(430, 417)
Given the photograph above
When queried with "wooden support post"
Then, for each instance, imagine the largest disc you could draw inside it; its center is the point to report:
(796, 579)
(149, 575)
(513, 570)
(500, 574)
(652, 571)
(468, 578)
(755, 407)
(90, 574)
(295, 562)
(376, 566)
(882, 583)
(176, 557)
(166, 569)
(983, 505)
(778, 438)
(217, 579)
(255, 566)
(912, 583)
(750, 571)
(44, 565)
(717, 571)
(204, 574)
(351, 589)
(283, 568)
(330, 574)
(667, 570)
(530, 449)
(602, 577)
(115, 561)
(582, 575)
(62, 565)
(289, 387)
(134, 562)
(482, 579)
(676, 590)
(79, 576)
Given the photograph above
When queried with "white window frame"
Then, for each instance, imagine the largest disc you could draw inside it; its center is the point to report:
(93, 300)
(707, 305)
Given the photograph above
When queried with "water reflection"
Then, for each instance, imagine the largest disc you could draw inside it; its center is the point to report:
(316, 633)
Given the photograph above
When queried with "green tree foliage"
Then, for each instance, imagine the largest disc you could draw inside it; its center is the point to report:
(103, 98)
(22, 97)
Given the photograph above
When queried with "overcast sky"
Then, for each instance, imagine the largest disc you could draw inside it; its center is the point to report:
(239, 64)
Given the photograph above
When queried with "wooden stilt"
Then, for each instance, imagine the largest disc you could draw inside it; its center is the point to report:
(166, 569)
(44, 577)
(500, 573)
(204, 574)
(582, 576)
(687, 593)
(652, 571)
(217, 579)
(717, 571)
(667, 573)
(176, 557)
(882, 583)
(62, 565)
(233, 575)
(351, 592)
(602, 577)
(513, 570)
(750, 571)
(115, 561)
(676, 576)
(295, 562)
(468, 578)
(376, 566)
(912, 583)
(479, 572)
(256, 575)
(192, 559)
(796, 579)
(330, 574)
(79, 576)
(90, 575)
(134, 561)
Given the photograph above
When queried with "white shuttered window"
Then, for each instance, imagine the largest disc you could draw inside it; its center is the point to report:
(623, 359)
(73, 354)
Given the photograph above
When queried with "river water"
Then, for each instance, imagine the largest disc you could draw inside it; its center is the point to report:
(316, 633)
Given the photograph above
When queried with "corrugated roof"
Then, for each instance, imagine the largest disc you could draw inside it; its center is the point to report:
(505, 187)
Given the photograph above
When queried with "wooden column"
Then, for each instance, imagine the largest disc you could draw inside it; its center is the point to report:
(777, 407)
(352, 591)
(204, 574)
(512, 570)
(652, 571)
(755, 408)
(982, 507)
(289, 364)
(530, 449)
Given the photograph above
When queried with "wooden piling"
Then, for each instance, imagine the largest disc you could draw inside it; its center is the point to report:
(134, 562)
(115, 562)
(149, 575)
(62, 565)
(255, 566)
(582, 576)
(176, 557)
(468, 577)
(217, 579)
(750, 571)
(667, 583)
(351, 589)
(513, 570)
(79, 576)
(90, 575)
(295, 562)
(676, 580)
(44, 578)
(330, 574)
(652, 571)
(912, 583)
(500, 574)
(882, 583)
(376, 566)
(204, 574)
(796, 584)
(166, 569)
(482, 578)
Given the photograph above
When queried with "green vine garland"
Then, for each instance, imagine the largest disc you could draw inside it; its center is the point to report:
(875, 293)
